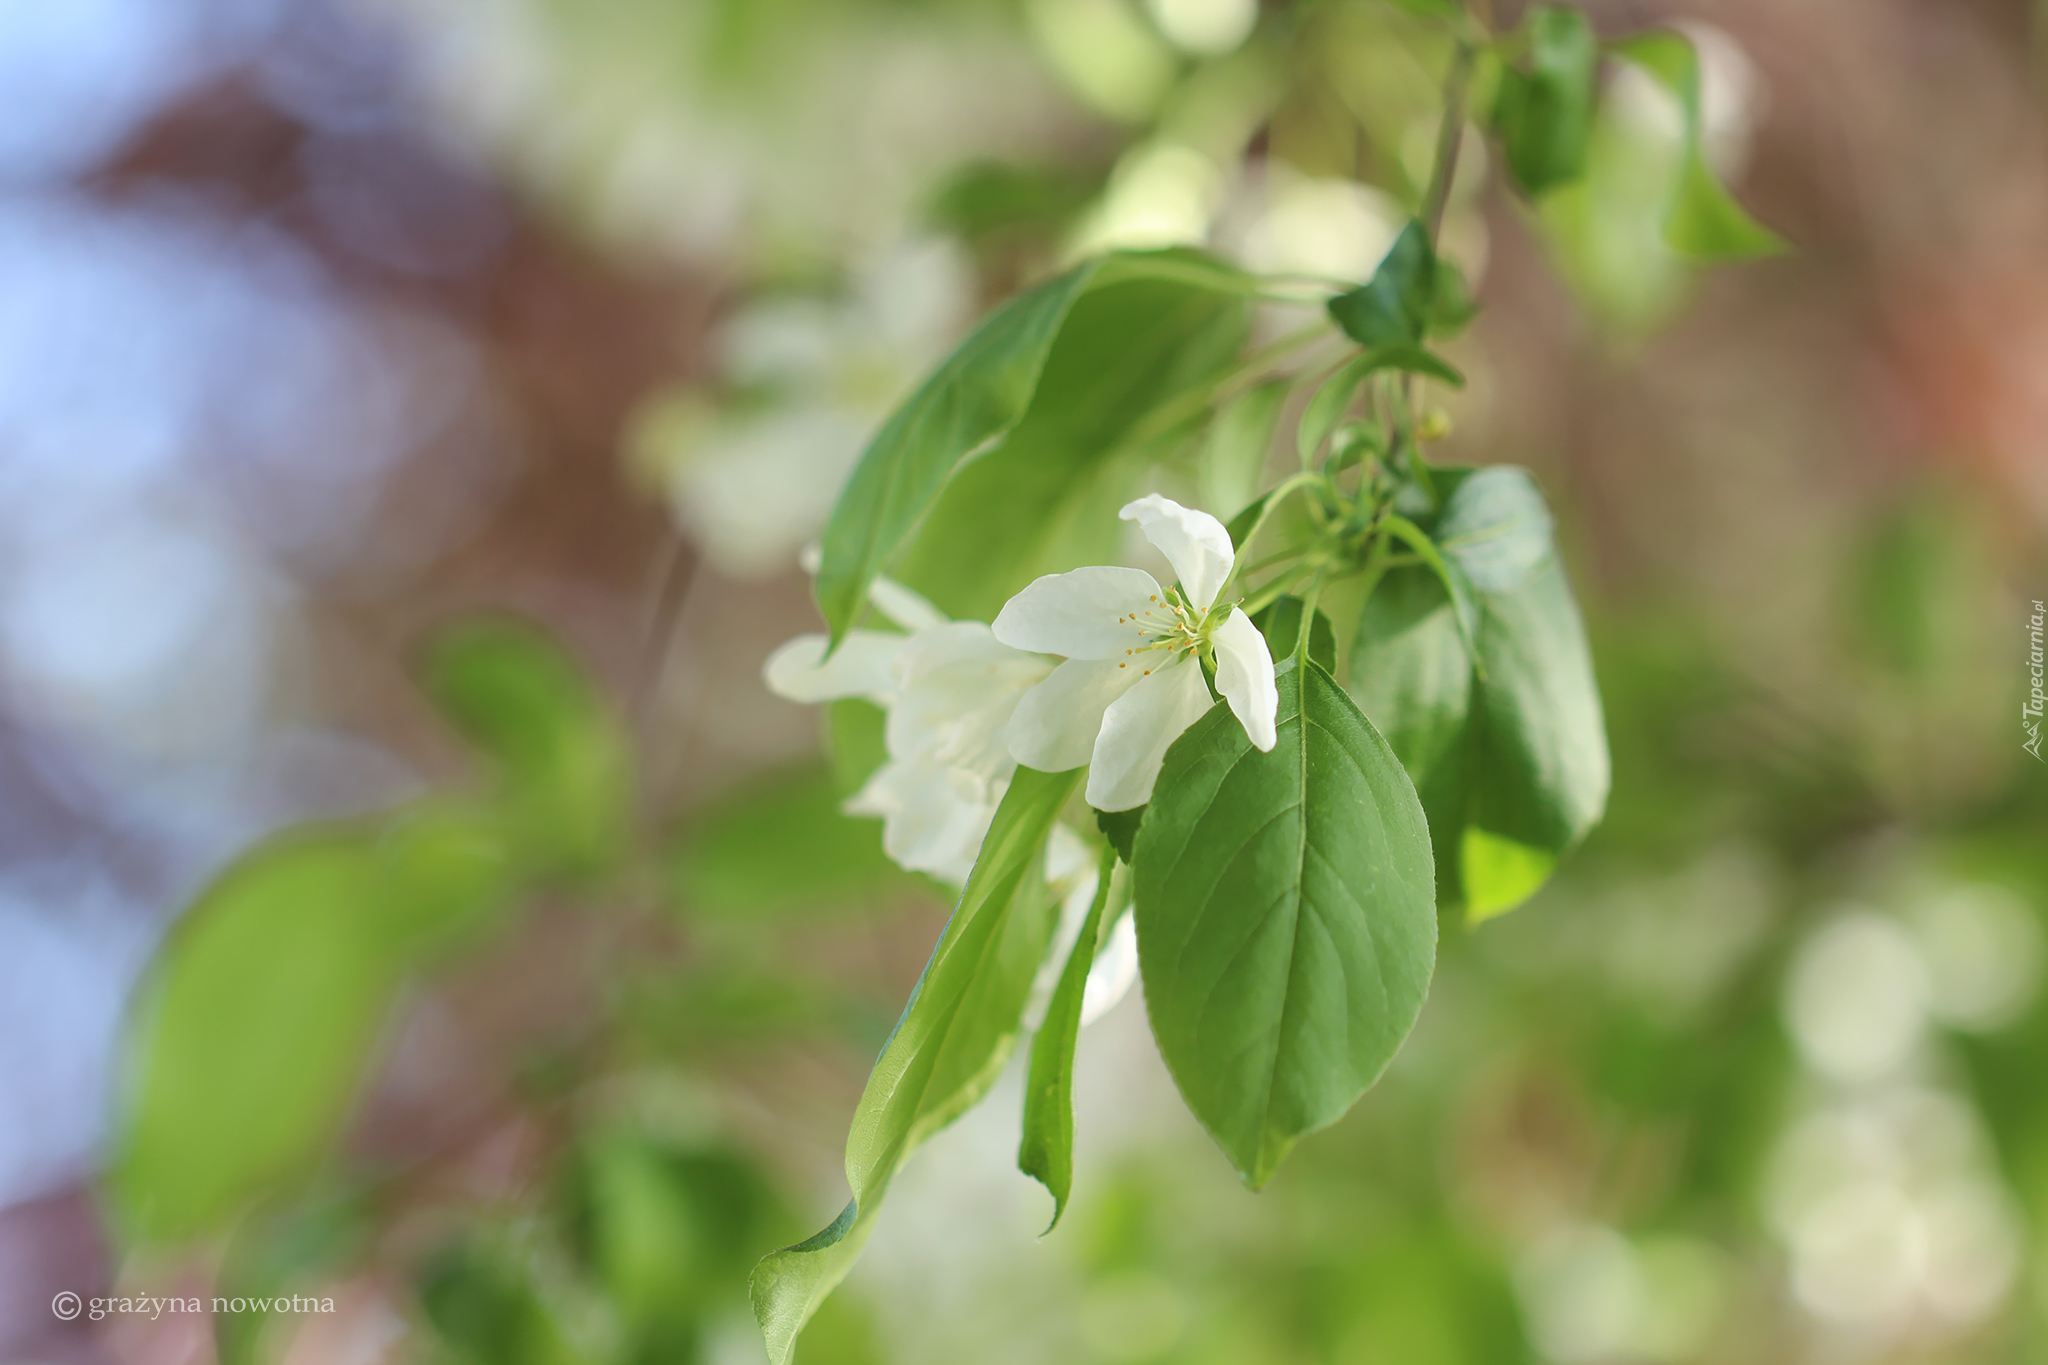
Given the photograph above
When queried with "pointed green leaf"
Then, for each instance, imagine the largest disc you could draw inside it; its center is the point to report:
(1286, 918)
(1022, 418)
(1152, 331)
(972, 399)
(1704, 221)
(960, 1025)
(1047, 1151)
(1392, 308)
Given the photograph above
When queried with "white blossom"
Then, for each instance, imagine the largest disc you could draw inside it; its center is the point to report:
(1132, 681)
(949, 689)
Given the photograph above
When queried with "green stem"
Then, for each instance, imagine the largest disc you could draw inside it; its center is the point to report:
(1308, 617)
(1275, 590)
(1280, 491)
(1375, 566)
(1450, 135)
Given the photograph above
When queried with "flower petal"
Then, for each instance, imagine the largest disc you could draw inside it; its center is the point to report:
(1055, 725)
(1138, 729)
(958, 686)
(860, 667)
(1115, 969)
(933, 817)
(1092, 613)
(1244, 675)
(1195, 543)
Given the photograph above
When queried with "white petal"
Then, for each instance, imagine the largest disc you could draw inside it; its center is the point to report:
(1195, 543)
(860, 667)
(1244, 675)
(933, 817)
(1116, 967)
(908, 609)
(1093, 613)
(958, 686)
(949, 644)
(1055, 725)
(1138, 729)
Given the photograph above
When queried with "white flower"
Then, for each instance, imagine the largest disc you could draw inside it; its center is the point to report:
(949, 689)
(1132, 681)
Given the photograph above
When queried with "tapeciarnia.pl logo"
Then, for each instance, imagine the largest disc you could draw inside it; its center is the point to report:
(2030, 710)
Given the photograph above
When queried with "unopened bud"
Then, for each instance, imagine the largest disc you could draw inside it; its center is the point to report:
(1434, 426)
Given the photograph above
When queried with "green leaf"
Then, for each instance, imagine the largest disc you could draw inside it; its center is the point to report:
(780, 844)
(1500, 725)
(1153, 331)
(1020, 418)
(1456, 582)
(973, 398)
(1544, 109)
(1233, 456)
(265, 1003)
(1704, 221)
(1496, 527)
(960, 1025)
(253, 1031)
(1286, 918)
(558, 752)
(1539, 748)
(1241, 525)
(1393, 307)
(1280, 622)
(667, 1228)
(1432, 9)
(1120, 827)
(1047, 1151)
(1411, 672)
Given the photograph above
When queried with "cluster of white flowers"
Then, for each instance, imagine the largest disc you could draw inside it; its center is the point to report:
(966, 702)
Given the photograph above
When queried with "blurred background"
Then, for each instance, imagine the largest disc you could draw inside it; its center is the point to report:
(324, 322)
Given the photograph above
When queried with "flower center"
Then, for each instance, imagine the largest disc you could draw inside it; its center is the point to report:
(1169, 632)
